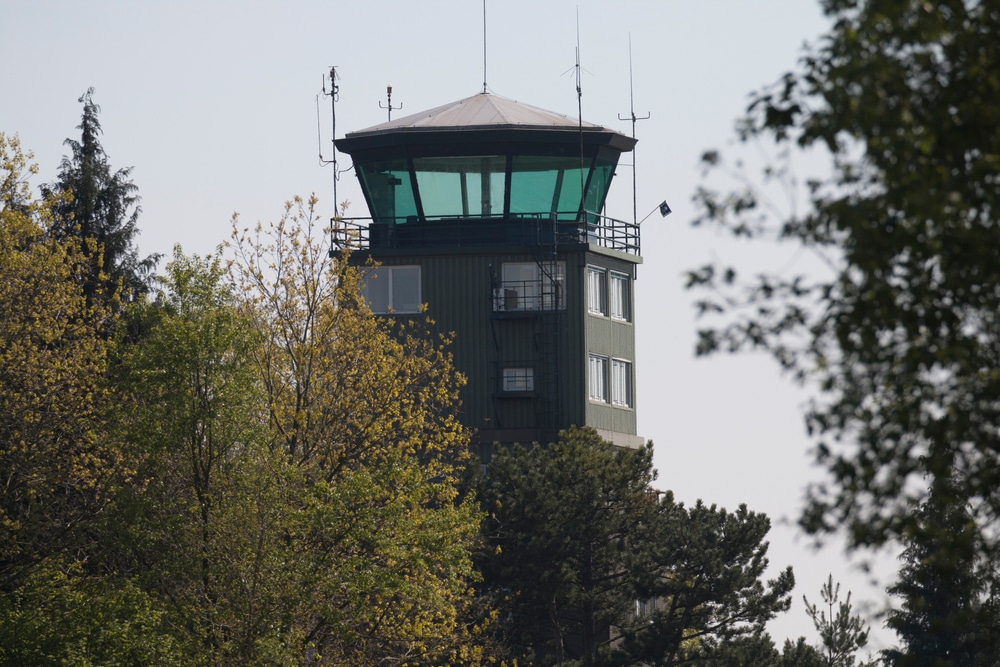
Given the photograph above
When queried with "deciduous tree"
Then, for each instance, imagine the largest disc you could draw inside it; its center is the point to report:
(366, 412)
(56, 471)
(899, 328)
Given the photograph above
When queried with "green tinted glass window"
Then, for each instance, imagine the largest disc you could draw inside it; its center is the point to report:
(461, 186)
(546, 185)
(388, 186)
(597, 189)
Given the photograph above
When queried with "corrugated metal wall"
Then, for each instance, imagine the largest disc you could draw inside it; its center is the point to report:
(458, 286)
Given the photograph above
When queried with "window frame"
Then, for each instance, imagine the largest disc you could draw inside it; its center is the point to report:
(517, 379)
(597, 290)
(372, 275)
(620, 296)
(622, 383)
(529, 293)
(598, 389)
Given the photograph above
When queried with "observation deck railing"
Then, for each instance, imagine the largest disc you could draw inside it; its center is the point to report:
(524, 229)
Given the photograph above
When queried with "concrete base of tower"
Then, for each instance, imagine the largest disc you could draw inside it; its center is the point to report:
(622, 439)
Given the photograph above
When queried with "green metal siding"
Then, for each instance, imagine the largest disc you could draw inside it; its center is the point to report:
(613, 339)
(457, 287)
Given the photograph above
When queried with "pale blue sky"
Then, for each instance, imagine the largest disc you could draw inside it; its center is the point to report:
(214, 104)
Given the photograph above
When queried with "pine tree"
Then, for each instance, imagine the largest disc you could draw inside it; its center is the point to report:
(843, 633)
(100, 207)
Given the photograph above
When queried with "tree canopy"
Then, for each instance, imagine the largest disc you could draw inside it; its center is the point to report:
(900, 328)
(587, 565)
(269, 475)
(55, 469)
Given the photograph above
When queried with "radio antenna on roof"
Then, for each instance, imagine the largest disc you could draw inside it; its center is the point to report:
(484, 46)
(334, 95)
(634, 118)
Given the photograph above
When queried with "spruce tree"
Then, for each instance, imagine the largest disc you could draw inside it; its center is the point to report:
(942, 619)
(100, 206)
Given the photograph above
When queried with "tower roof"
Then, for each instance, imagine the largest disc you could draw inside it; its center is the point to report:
(484, 110)
(483, 113)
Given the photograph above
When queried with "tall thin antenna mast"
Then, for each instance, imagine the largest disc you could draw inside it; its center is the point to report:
(484, 46)
(579, 111)
(631, 105)
(334, 95)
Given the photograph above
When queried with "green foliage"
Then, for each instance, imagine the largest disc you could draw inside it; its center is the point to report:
(576, 537)
(900, 329)
(364, 413)
(192, 495)
(707, 583)
(60, 617)
(565, 533)
(947, 615)
(800, 654)
(843, 633)
(101, 206)
(55, 470)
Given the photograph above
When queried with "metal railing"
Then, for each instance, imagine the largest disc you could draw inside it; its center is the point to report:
(525, 229)
(514, 296)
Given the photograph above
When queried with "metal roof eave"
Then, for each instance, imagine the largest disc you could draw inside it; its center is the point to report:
(361, 142)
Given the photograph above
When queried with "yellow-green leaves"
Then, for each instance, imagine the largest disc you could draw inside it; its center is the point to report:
(56, 469)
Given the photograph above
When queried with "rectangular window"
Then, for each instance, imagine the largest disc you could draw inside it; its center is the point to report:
(519, 379)
(597, 290)
(621, 297)
(392, 289)
(621, 383)
(598, 378)
(531, 286)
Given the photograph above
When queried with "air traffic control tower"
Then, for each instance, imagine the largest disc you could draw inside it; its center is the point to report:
(489, 211)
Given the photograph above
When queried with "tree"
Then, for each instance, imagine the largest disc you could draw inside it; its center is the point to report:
(900, 330)
(203, 506)
(56, 471)
(565, 538)
(365, 413)
(707, 583)
(101, 207)
(944, 617)
(587, 566)
(842, 634)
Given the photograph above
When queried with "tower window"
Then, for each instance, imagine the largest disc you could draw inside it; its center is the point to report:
(518, 379)
(621, 383)
(597, 290)
(531, 286)
(598, 378)
(621, 297)
(392, 289)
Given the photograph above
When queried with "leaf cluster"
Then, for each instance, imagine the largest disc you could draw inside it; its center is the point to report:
(897, 326)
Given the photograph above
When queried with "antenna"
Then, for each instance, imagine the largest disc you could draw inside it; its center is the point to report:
(334, 95)
(631, 105)
(388, 97)
(484, 46)
(579, 111)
